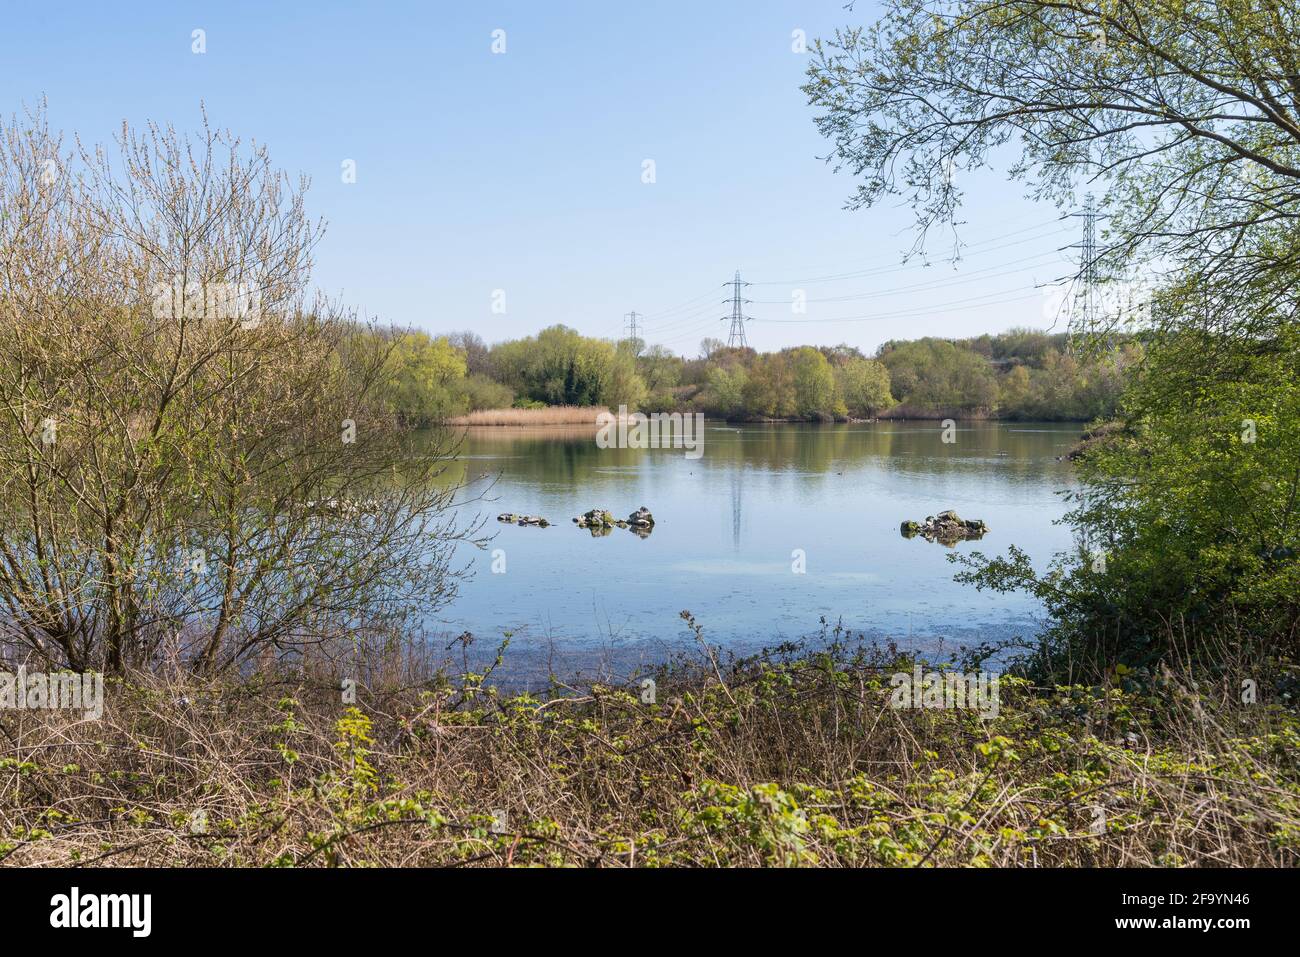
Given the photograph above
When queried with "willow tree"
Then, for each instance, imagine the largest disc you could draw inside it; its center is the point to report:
(194, 461)
(1183, 115)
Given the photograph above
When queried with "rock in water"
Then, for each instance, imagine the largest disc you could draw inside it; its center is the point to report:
(947, 528)
(514, 519)
(601, 521)
(595, 518)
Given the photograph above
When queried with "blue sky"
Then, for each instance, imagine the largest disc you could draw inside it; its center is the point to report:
(523, 171)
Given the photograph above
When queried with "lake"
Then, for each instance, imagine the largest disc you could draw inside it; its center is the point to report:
(730, 527)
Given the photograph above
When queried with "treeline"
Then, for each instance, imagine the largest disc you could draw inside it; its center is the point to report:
(1022, 374)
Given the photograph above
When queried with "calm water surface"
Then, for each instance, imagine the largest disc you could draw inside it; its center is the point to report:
(729, 522)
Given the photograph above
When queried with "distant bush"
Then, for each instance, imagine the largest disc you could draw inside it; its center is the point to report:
(483, 393)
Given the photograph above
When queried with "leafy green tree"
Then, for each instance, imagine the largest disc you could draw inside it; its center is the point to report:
(1015, 394)
(561, 367)
(813, 384)
(726, 389)
(1025, 345)
(660, 369)
(424, 378)
(1189, 527)
(864, 387)
(935, 376)
(481, 392)
(621, 385)
(769, 387)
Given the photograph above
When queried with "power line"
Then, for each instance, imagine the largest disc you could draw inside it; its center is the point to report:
(691, 321)
(709, 314)
(970, 302)
(688, 308)
(688, 327)
(675, 309)
(939, 283)
(684, 319)
(1052, 228)
(684, 305)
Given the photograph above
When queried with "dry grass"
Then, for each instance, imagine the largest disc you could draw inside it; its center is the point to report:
(797, 761)
(551, 415)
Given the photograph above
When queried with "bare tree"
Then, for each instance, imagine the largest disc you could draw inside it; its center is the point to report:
(477, 354)
(192, 456)
(709, 346)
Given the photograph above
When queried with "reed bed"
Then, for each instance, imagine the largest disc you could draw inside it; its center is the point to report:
(551, 415)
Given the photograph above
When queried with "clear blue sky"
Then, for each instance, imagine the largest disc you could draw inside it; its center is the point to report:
(523, 171)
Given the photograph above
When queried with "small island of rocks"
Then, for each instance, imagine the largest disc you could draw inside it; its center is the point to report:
(947, 528)
(600, 521)
(513, 519)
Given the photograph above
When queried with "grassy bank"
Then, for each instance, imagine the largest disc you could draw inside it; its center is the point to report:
(794, 759)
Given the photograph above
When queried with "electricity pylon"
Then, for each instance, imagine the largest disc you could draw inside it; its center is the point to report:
(736, 337)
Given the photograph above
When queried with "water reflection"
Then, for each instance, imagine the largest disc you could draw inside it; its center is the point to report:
(727, 525)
